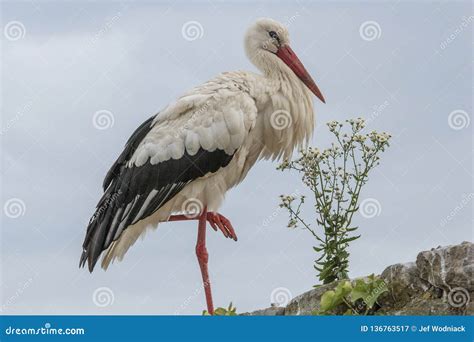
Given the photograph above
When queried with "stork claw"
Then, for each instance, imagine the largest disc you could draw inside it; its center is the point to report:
(218, 221)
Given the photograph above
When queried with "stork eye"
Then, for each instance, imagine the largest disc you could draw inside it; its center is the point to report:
(274, 35)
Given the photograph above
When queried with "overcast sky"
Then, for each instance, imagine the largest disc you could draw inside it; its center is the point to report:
(405, 66)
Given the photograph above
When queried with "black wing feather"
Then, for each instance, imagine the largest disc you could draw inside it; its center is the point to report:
(130, 186)
(130, 147)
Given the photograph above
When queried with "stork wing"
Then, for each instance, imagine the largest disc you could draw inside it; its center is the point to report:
(196, 136)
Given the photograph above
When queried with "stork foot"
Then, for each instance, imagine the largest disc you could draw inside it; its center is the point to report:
(218, 221)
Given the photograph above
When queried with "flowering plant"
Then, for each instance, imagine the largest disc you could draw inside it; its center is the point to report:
(335, 176)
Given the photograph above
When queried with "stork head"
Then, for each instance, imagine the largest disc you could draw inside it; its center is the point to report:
(267, 44)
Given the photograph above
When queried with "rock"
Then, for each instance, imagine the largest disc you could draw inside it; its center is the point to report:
(403, 283)
(307, 302)
(428, 305)
(271, 311)
(439, 283)
(420, 307)
(448, 267)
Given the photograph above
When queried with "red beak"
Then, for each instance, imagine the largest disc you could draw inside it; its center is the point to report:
(286, 54)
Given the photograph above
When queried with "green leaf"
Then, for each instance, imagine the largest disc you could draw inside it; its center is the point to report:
(327, 300)
(332, 298)
(318, 260)
(319, 269)
(377, 288)
(368, 291)
(229, 311)
(346, 240)
(220, 312)
(359, 291)
(347, 287)
(343, 289)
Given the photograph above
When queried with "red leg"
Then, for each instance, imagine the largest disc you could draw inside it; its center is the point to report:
(203, 258)
(220, 222)
(181, 218)
(216, 220)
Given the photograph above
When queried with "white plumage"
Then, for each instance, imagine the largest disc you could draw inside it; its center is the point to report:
(239, 113)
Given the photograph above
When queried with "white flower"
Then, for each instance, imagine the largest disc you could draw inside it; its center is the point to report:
(380, 138)
(292, 223)
(284, 165)
(333, 125)
(286, 200)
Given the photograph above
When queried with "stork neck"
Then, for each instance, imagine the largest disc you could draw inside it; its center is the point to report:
(288, 96)
(288, 81)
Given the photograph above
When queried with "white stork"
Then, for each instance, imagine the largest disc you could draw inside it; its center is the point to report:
(202, 145)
